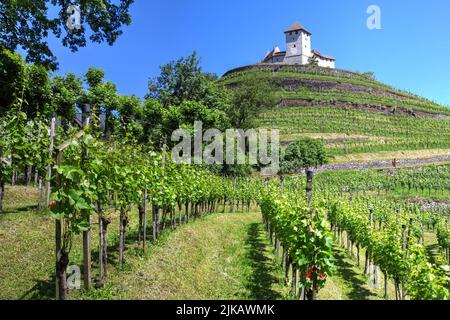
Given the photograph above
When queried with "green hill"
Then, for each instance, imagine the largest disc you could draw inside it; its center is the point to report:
(359, 118)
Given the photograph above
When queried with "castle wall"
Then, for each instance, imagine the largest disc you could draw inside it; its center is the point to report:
(326, 63)
(298, 51)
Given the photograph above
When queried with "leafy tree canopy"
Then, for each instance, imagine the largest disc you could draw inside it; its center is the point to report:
(248, 100)
(27, 24)
(183, 80)
(13, 76)
(303, 154)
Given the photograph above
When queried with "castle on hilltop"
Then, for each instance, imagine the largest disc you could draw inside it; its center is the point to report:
(298, 50)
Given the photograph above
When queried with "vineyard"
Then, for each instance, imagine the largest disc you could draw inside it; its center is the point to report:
(97, 185)
(95, 207)
(351, 112)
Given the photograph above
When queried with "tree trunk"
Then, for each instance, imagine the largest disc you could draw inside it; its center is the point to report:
(186, 213)
(294, 281)
(375, 274)
(62, 264)
(288, 267)
(311, 294)
(277, 248)
(40, 195)
(309, 186)
(141, 222)
(123, 225)
(158, 221)
(87, 257)
(154, 222)
(144, 240)
(385, 286)
(100, 242)
(105, 223)
(366, 266)
(36, 176)
(2, 194)
(13, 177)
(29, 172)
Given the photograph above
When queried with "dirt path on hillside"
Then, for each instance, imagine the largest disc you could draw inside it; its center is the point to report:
(379, 164)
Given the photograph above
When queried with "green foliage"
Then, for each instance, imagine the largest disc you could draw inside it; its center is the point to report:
(303, 154)
(29, 23)
(94, 77)
(370, 75)
(373, 89)
(13, 78)
(67, 94)
(305, 234)
(248, 100)
(180, 81)
(425, 280)
(38, 92)
(347, 131)
(313, 61)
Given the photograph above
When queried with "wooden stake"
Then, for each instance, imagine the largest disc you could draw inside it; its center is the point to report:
(50, 157)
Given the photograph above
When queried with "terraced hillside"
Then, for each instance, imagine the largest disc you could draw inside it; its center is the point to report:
(357, 116)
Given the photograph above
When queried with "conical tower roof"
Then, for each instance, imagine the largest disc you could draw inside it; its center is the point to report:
(296, 26)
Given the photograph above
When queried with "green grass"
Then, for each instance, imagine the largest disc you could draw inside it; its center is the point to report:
(350, 282)
(220, 256)
(352, 113)
(347, 132)
(223, 256)
(334, 76)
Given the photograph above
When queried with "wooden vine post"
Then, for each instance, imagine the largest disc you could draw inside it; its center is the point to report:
(60, 267)
(157, 225)
(50, 156)
(144, 240)
(401, 294)
(61, 257)
(310, 294)
(87, 234)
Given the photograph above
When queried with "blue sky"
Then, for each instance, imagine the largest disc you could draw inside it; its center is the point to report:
(411, 52)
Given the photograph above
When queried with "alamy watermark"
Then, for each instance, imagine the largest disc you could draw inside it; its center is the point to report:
(73, 277)
(74, 20)
(374, 19)
(235, 146)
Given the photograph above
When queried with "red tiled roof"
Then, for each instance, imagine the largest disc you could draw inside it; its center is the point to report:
(296, 26)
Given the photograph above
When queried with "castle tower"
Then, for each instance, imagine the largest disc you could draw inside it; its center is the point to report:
(298, 44)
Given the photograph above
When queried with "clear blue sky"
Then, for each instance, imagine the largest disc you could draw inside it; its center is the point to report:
(412, 51)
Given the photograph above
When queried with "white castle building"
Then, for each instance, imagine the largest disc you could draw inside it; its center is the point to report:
(298, 50)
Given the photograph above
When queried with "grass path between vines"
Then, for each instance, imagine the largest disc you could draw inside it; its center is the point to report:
(221, 256)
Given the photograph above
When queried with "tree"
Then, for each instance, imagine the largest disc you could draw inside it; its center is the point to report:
(303, 154)
(67, 95)
(178, 81)
(27, 85)
(313, 61)
(13, 75)
(370, 75)
(153, 114)
(248, 100)
(103, 99)
(27, 24)
(37, 93)
(130, 110)
(183, 80)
